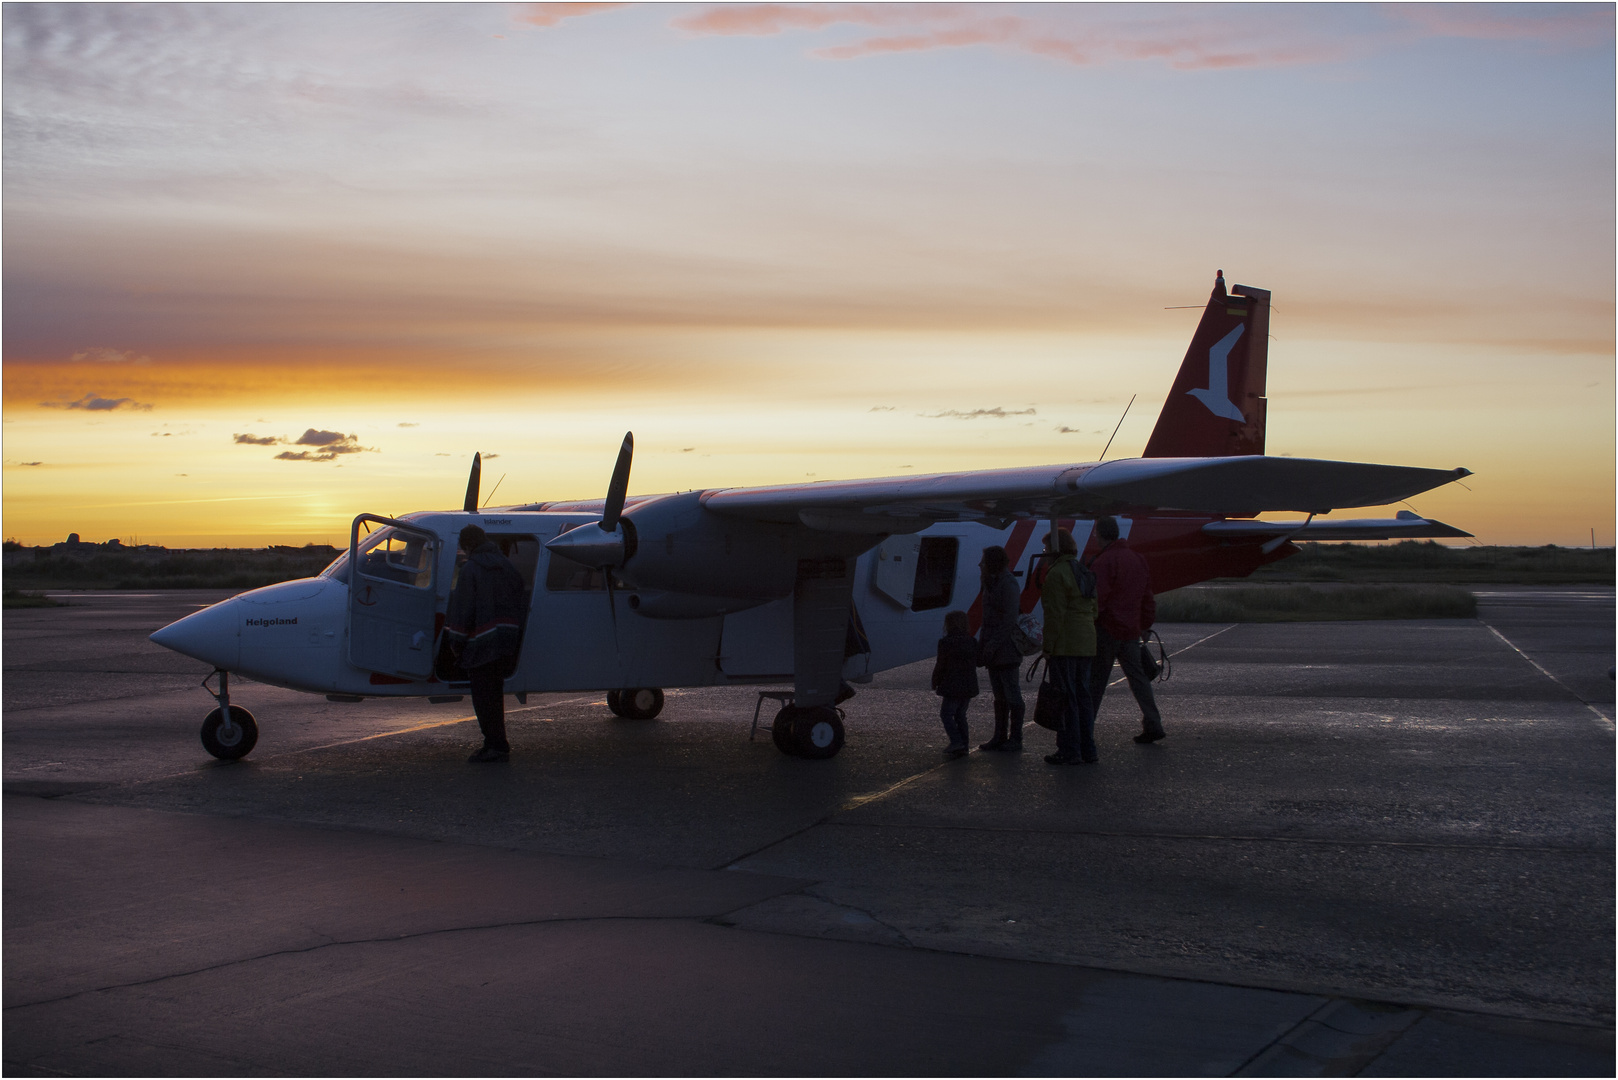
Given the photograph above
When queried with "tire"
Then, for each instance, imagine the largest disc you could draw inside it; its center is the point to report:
(781, 730)
(818, 733)
(615, 702)
(640, 703)
(239, 746)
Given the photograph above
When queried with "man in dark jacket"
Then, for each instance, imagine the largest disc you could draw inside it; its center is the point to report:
(1127, 610)
(483, 626)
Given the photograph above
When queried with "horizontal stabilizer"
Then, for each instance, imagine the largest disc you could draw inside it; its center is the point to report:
(1406, 526)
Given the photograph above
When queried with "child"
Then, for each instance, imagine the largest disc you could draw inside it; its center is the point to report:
(955, 678)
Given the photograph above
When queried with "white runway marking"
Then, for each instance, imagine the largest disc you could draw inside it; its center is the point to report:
(1606, 721)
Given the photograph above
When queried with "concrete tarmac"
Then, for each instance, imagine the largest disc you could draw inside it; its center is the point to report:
(1374, 848)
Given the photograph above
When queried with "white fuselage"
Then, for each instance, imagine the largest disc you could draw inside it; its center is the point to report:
(302, 634)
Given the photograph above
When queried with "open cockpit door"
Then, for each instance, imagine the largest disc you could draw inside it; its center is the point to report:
(392, 602)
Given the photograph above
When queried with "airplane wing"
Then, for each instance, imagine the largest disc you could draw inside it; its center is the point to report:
(1406, 526)
(1237, 486)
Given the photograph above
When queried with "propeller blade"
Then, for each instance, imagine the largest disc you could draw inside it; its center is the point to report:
(472, 483)
(618, 488)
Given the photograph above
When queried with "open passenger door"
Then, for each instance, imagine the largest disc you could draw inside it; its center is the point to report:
(392, 602)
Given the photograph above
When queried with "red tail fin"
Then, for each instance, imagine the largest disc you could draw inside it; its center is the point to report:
(1216, 408)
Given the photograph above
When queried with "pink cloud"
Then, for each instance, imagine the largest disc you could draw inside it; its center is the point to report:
(764, 20)
(1185, 38)
(1514, 22)
(551, 14)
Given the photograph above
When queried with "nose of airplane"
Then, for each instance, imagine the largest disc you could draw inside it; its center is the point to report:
(212, 635)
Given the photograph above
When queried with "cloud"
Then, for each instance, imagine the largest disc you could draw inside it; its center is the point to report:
(883, 408)
(997, 412)
(108, 356)
(1080, 36)
(331, 444)
(30, 463)
(1500, 22)
(686, 449)
(312, 437)
(96, 403)
(546, 15)
(1210, 38)
(405, 423)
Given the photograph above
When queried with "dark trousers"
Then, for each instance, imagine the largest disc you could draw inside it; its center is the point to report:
(1077, 738)
(489, 702)
(1008, 704)
(953, 713)
(1127, 653)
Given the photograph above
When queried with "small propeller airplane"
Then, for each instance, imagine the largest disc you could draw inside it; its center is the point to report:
(816, 584)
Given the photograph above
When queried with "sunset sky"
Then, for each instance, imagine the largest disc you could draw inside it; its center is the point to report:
(267, 267)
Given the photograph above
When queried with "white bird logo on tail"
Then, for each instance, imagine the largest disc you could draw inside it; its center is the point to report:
(1217, 394)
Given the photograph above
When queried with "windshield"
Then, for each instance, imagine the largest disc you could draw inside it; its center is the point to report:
(389, 554)
(338, 570)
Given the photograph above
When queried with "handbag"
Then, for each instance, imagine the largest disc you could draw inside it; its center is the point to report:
(1028, 635)
(1048, 704)
(1153, 667)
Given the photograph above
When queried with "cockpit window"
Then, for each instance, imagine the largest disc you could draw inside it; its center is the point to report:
(394, 555)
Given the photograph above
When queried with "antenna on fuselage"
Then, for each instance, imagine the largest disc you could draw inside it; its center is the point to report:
(1114, 434)
(496, 487)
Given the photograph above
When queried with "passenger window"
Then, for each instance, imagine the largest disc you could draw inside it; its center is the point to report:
(565, 575)
(523, 552)
(520, 549)
(935, 572)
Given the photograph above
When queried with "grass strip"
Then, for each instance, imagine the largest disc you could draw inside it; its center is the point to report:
(16, 598)
(1306, 603)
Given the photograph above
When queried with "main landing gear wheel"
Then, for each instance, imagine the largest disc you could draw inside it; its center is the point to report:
(235, 741)
(814, 732)
(640, 703)
(615, 702)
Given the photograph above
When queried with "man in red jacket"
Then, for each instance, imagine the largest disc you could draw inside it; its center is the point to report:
(1127, 609)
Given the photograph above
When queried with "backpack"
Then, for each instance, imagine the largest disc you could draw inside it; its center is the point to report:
(1082, 574)
(1086, 579)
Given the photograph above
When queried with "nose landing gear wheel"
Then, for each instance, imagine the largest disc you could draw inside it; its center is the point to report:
(814, 732)
(235, 741)
(640, 703)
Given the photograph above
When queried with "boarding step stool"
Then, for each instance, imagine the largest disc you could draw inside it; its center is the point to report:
(782, 696)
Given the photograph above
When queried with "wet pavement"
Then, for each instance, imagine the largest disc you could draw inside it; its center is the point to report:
(1365, 847)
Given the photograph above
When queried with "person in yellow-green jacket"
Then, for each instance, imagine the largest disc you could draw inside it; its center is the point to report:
(1068, 597)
